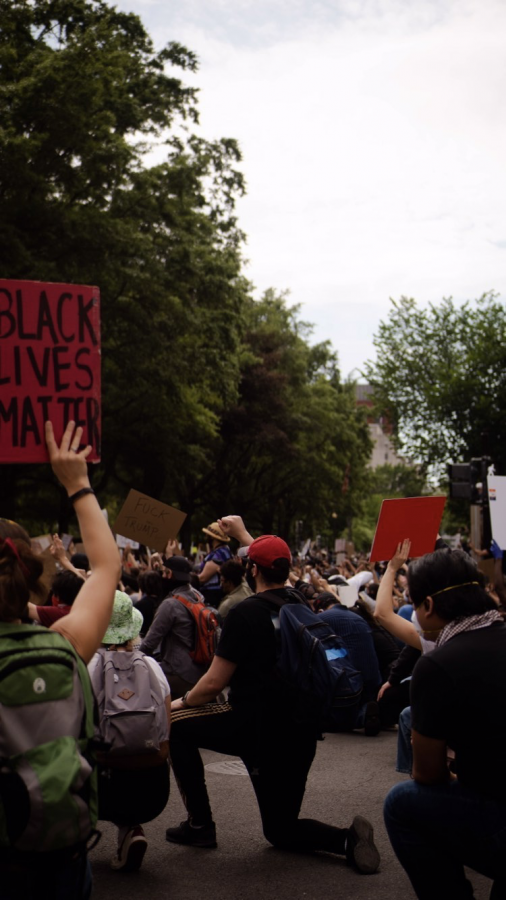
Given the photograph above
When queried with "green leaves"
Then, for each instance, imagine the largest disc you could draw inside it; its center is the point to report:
(440, 375)
(211, 400)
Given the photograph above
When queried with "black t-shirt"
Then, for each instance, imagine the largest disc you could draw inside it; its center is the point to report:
(458, 694)
(249, 639)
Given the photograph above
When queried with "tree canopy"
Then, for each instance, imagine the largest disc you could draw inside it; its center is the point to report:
(440, 376)
(294, 445)
(211, 400)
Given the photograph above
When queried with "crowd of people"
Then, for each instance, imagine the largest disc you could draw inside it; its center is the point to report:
(427, 638)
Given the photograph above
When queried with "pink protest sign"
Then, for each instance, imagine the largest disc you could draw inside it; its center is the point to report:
(49, 366)
(416, 518)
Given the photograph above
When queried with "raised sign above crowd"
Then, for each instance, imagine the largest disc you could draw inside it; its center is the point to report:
(49, 366)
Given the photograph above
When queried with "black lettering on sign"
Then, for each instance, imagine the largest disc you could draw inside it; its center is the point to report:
(68, 338)
(11, 413)
(7, 320)
(84, 351)
(29, 423)
(59, 366)
(42, 373)
(45, 319)
(24, 335)
(4, 379)
(84, 320)
(92, 417)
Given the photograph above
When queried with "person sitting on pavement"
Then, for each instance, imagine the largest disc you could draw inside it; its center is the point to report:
(256, 724)
(234, 587)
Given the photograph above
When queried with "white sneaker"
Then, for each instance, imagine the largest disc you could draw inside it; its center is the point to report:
(131, 853)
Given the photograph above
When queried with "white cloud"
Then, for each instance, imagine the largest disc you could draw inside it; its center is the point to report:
(373, 147)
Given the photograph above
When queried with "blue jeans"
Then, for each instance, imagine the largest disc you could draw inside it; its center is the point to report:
(404, 750)
(436, 830)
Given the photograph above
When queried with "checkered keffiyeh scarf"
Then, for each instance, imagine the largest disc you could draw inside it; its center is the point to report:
(468, 623)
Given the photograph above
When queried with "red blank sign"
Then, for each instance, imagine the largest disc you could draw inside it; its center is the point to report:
(416, 518)
(49, 366)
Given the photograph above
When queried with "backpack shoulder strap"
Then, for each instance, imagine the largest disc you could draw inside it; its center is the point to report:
(192, 597)
(98, 677)
(156, 690)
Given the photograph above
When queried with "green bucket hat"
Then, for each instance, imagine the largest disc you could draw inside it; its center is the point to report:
(126, 621)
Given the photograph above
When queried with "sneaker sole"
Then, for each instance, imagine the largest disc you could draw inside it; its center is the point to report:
(135, 855)
(365, 853)
(205, 845)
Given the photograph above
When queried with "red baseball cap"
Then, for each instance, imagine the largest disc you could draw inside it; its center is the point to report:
(266, 549)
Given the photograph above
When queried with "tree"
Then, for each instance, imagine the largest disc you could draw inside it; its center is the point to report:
(294, 445)
(82, 97)
(440, 376)
(385, 483)
(211, 401)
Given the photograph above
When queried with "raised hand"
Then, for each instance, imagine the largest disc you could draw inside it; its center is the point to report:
(67, 461)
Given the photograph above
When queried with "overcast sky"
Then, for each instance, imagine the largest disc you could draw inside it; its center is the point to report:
(373, 136)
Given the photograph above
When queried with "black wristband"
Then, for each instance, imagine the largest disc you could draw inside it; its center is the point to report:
(184, 700)
(81, 493)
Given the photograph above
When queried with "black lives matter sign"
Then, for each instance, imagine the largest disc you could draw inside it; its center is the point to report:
(49, 366)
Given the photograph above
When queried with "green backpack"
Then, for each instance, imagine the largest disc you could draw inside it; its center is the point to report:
(48, 786)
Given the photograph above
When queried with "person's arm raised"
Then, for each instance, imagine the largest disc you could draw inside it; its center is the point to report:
(57, 550)
(86, 623)
(235, 527)
(384, 610)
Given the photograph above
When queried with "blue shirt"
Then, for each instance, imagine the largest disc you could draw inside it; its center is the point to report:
(357, 638)
(219, 555)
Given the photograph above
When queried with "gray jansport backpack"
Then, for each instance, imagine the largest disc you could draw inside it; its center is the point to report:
(133, 720)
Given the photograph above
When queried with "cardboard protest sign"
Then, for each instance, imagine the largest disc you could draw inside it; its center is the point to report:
(148, 521)
(416, 518)
(50, 569)
(497, 500)
(49, 366)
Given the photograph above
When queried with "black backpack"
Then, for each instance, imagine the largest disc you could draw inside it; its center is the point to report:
(314, 664)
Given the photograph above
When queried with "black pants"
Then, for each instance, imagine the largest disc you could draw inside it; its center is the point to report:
(132, 796)
(278, 765)
(178, 686)
(393, 701)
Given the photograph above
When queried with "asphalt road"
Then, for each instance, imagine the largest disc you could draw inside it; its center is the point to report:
(351, 774)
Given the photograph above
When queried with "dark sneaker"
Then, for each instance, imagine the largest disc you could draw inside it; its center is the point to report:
(361, 851)
(195, 836)
(372, 722)
(131, 853)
